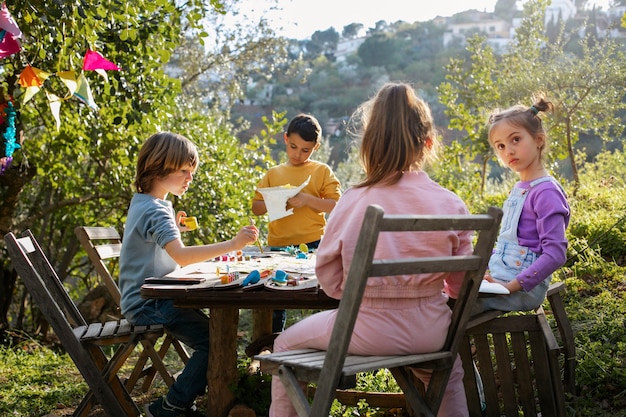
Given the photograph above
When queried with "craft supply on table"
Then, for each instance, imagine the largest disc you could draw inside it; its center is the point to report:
(252, 278)
(280, 276)
(246, 269)
(292, 283)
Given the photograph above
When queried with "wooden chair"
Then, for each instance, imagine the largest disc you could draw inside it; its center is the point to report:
(103, 244)
(522, 366)
(335, 368)
(83, 341)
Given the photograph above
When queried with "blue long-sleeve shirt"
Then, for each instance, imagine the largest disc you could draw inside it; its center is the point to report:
(150, 225)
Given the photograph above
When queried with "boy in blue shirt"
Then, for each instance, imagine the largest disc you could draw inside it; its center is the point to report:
(152, 247)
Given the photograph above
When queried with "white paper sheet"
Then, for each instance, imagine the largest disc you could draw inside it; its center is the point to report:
(276, 199)
(487, 287)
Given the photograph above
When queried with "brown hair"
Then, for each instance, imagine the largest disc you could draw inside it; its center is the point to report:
(398, 134)
(161, 154)
(307, 127)
(526, 118)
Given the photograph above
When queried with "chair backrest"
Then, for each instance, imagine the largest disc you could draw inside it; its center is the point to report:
(42, 281)
(54, 302)
(102, 243)
(48, 292)
(364, 266)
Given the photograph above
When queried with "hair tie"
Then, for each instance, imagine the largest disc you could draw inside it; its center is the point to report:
(534, 110)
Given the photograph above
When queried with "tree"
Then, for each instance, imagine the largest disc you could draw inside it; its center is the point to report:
(323, 43)
(381, 50)
(352, 30)
(81, 173)
(469, 92)
(587, 89)
(505, 9)
(216, 61)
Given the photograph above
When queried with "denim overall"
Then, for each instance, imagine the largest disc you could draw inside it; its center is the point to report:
(510, 258)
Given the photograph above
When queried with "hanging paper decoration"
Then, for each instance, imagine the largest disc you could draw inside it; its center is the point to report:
(95, 61)
(9, 33)
(83, 92)
(10, 145)
(7, 22)
(69, 79)
(32, 79)
(55, 108)
(9, 44)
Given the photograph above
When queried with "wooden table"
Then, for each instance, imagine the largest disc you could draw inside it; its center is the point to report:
(224, 305)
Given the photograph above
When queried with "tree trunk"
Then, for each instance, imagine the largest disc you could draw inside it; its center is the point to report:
(572, 156)
(8, 277)
(12, 182)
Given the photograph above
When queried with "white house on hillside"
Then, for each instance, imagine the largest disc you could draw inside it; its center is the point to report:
(564, 9)
(347, 47)
(484, 23)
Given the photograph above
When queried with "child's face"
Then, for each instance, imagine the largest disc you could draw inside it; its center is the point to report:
(176, 182)
(517, 148)
(299, 150)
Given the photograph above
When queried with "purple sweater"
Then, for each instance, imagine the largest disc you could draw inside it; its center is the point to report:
(541, 228)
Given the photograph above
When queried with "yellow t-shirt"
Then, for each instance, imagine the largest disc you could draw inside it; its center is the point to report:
(305, 224)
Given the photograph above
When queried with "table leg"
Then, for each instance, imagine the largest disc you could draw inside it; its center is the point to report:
(222, 369)
(262, 323)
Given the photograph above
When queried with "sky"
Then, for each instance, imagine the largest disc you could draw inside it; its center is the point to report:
(299, 19)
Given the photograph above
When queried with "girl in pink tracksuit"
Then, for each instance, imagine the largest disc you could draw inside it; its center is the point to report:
(404, 314)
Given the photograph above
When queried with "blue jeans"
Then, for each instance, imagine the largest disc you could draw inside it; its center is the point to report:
(279, 317)
(190, 327)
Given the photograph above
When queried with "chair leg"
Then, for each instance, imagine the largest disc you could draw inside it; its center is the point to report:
(148, 373)
(89, 402)
(182, 352)
(138, 370)
(109, 369)
(157, 366)
(295, 392)
(567, 339)
(405, 379)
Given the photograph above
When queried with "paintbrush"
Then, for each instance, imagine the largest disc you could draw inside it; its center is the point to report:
(258, 241)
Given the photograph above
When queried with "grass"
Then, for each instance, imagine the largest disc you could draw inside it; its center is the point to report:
(41, 380)
(38, 380)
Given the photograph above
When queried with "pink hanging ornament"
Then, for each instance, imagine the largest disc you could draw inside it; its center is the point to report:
(94, 61)
(7, 22)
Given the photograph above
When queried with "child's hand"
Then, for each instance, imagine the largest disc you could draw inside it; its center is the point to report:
(299, 200)
(246, 236)
(488, 277)
(179, 221)
(184, 223)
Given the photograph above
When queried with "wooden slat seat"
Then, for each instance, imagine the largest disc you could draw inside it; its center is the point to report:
(334, 368)
(102, 245)
(82, 341)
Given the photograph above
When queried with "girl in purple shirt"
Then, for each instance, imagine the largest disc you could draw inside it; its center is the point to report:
(531, 244)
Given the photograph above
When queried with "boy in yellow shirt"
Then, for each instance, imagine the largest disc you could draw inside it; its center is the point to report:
(312, 203)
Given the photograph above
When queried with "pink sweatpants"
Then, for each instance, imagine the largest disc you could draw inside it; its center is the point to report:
(383, 327)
